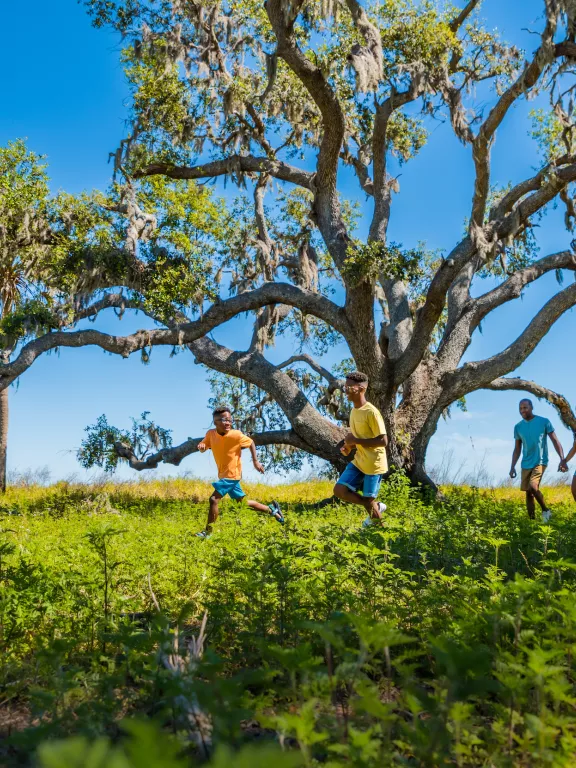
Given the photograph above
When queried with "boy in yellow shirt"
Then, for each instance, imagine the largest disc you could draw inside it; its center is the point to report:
(226, 444)
(368, 435)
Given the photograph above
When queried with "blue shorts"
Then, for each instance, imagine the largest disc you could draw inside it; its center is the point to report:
(356, 480)
(232, 488)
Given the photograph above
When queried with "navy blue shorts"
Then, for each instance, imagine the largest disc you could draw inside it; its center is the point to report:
(356, 480)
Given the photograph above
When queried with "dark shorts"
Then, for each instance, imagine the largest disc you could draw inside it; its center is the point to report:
(227, 487)
(356, 480)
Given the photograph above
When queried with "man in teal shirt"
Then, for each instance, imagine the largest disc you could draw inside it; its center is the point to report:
(531, 436)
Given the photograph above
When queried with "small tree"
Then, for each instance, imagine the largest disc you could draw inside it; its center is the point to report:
(278, 98)
(23, 197)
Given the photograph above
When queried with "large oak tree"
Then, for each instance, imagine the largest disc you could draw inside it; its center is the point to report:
(281, 98)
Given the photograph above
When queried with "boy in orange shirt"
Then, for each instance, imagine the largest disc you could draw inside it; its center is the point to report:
(226, 445)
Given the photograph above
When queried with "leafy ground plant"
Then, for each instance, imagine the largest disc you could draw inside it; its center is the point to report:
(444, 638)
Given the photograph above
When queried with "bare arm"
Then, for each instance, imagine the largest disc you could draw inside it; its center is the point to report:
(571, 452)
(515, 457)
(373, 442)
(257, 466)
(557, 445)
(367, 442)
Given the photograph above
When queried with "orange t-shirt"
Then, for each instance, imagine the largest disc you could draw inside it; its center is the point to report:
(227, 450)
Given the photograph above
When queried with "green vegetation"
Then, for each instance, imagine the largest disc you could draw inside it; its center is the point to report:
(445, 638)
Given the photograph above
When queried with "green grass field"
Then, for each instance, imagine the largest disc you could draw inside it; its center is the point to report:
(447, 637)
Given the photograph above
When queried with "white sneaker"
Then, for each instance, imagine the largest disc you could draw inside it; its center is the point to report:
(368, 522)
(546, 515)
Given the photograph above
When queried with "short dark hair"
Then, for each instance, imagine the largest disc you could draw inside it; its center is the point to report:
(358, 377)
(220, 410)
(526, 400)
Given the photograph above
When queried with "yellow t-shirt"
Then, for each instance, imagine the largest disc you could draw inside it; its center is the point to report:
(227, 450)
(366, 422)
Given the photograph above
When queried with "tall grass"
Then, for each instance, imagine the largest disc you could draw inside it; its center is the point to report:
(444, 638)
(196, 491)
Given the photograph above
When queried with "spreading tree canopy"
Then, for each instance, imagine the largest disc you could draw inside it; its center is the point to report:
(284, 100)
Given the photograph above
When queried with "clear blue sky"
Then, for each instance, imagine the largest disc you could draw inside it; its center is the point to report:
(63, 90)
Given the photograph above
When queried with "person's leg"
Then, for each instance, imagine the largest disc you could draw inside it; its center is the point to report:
(345, 494)
(258, 507)
(371, 487)
(535, 480)
(530, 485)
(272, 509)
(348, 485)
(530, 505)
(537, 494)
(213, 510)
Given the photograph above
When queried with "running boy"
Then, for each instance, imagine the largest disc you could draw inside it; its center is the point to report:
(531, 436)
(226, 445)
(564, 466)
(368, 435)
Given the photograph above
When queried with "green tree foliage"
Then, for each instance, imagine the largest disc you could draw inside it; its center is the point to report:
(98, 448)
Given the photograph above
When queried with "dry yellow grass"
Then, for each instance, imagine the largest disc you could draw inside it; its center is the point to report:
(193, 490)
(554, 494)
(171, 489)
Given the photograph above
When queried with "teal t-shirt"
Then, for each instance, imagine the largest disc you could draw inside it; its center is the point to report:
(534, 436)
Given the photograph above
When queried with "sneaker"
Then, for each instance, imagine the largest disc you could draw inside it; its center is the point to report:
(369, 521)
(546, 515)
(203, 535)
(276, 512)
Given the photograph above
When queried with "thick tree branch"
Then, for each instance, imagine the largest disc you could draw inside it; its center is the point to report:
(184, 333)
(483, 140)
(62, 314)
(460, 19)
(512, 288)
(314, 364)
(458, 336)
(520, 190)
(109, 301)
(429, 314)
(265, 244)
(175, 454)
(499, 229)
(326, 208)
(369, 31)
(399, 330)
(529, 77)
(476, 375)
(548, 187)
(232, 165)
(459, 294)
(559, 402)
(382, 189)
(506, 219)
(319, 89)
(321, 435)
